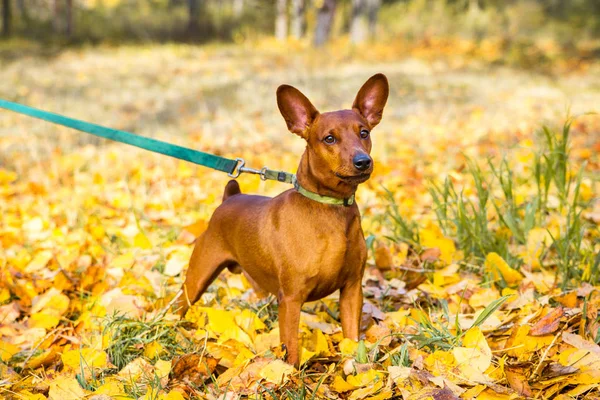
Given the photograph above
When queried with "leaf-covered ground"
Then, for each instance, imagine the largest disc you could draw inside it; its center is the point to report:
(483, 270)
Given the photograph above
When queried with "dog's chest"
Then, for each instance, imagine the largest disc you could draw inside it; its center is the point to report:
(327, 252)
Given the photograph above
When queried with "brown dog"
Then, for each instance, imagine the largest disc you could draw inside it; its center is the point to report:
(307, 242)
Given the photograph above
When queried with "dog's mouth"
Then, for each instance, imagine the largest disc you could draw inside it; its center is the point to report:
(354, 179)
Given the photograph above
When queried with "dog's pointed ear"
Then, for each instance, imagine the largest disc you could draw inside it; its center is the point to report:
(371, 99)
(296, 109)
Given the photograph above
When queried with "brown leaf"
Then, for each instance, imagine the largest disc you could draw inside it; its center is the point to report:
(383, 258)
(433, 393)
(379, 332)
(444, 394)
(431, 255)
(413, 277)
(548, 323)
(554, 370)
(193, 368)
(9, 313)
(518, 381)
(372, 311)
(593, 325)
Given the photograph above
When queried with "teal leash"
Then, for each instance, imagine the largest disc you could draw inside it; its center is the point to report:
(233, 168)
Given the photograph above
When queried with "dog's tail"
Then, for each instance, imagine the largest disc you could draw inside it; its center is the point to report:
(231, 189)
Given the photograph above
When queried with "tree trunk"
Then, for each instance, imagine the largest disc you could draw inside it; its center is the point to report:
(281, 23)
(238, 8)
(56, 16)
(6, 18)
(358, 24)
(474, 7)
(23, 10)
(298, 18)
(69, 18)
(193, 15)
(373, 11)
(325, 16)
(364, 20)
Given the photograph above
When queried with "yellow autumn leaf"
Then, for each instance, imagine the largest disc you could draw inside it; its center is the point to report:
(432, 237)
(52, 302)
(172, 395)
(249, 321)
(446, 276)
(367, 391)
(319, 343)
(348, 347)
(384, 394)
(27, 395)
(4, 295)
(43, 320)
(474, 338)
(123, 261)
(521, 344)
(483, 297)
(177, 261)
(266, 341)
(197, 227)
(153, 350)
(136, 369)
(7, 176)
(306, 355)
(162, 368)
(339, 385)
(141, 240)
(7, 350)
(111, 387)
(44, 358)
(537, 240)
(440, 362)
(39, 262)
(276, 372)
(500, 270)
(365, 378)
(472, 363)
(65, 388)
(86, 358)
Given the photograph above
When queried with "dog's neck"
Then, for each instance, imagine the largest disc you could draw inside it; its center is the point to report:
(310, 179)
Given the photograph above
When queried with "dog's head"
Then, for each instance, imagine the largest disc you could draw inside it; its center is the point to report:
(339, 142)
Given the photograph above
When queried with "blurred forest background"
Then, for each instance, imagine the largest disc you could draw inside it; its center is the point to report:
(523, 30)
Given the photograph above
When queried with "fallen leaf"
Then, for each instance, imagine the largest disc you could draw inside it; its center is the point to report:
(548, 324)
(86, 358)
(500, 270)
(276, 372)
(517, 380)
(65, 388)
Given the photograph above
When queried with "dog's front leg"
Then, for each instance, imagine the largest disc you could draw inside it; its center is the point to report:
(289, 323)
(351, 301)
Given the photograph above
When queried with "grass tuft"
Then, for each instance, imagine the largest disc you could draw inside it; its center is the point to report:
(128, 338)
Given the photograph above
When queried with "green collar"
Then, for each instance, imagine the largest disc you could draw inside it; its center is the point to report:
(322, 199)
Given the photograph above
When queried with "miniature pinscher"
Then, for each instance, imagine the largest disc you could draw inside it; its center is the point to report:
(307, 242)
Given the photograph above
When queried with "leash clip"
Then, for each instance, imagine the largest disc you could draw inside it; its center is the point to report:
(239, 168)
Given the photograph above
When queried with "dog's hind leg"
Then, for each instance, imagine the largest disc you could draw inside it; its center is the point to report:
(207, 261)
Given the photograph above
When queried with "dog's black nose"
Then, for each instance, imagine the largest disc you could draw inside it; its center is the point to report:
(362, 162)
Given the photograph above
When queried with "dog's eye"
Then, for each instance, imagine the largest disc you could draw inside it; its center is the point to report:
(329, 139)
(364, 134)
